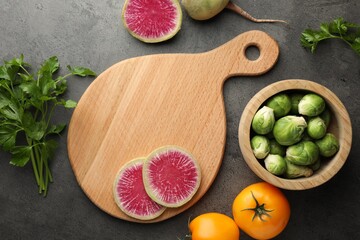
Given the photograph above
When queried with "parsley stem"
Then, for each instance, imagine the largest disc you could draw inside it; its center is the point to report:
(338, 37)
(48, 171)
(50, 114)
(67, 75)
(48, 176)
(33, 162)
(46, 183)
(6, 86)
(349, 43)
(39, 168)
(24, 69)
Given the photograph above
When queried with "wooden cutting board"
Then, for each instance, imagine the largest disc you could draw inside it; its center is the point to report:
(143, 103)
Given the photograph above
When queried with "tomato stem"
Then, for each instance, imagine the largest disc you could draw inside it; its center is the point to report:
(259, 210)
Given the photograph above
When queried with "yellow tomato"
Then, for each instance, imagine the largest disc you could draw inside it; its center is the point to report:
(214, 226)
(261, 210)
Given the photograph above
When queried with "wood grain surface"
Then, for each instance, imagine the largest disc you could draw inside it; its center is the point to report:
(143, 103)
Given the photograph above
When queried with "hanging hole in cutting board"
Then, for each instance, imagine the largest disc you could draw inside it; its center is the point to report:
(252, 52)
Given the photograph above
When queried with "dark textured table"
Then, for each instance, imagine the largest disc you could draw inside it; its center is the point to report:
(90, 33)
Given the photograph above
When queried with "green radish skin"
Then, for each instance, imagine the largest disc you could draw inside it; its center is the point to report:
(206, 9)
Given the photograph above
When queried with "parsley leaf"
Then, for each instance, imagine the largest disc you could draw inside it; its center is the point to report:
(8, 135)
(70, 104)
(81, 71)
(337, 29)
(27, 104)
(20, 155)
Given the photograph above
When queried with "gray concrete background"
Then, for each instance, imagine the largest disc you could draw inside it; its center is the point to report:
(90, 33)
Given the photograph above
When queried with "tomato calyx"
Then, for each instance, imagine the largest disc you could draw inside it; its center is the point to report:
(259, 210)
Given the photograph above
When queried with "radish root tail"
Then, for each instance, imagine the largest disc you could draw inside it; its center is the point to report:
(242, 12)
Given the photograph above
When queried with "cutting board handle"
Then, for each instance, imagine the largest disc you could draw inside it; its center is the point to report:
(232, 55)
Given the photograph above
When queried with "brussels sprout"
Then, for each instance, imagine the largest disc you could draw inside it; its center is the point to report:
(303, 153)
(260, 146)
(311, 105)
(316, 128)
(326, 116)
(328, 145)
(295, 99)
(263, 121)
(306, 137)
(315, 166)
(276, 148)
(270, 135)
(296, 171)
(289, 130)
(275, 164)
(280, 103)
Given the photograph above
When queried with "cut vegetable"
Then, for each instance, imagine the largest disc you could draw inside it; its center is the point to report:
(130, 194)
(152, 20)
(171, 176)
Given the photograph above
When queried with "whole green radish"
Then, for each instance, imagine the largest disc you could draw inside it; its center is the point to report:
(206, 9)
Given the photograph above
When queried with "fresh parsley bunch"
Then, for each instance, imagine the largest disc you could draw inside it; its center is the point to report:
(27, 104)
(337, 29)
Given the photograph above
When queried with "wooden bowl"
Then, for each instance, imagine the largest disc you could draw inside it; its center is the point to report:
(340, 126)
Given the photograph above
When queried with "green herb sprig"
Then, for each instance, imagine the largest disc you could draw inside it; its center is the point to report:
(337, 29)
(27, 104)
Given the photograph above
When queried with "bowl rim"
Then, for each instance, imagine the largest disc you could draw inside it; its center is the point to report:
(339, 112)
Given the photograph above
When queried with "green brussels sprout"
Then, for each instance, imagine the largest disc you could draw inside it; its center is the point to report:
(311, 105)
(275, 164)
(263, 121)
(260, 146)
(295, 99)
(289, 130)
(270, 135)
(326, 116)
(316, 127)
(280, 103)
(296, 171)
(315, 166)
(306, 137)
(276, 148)
(303, 153)
(328, 145)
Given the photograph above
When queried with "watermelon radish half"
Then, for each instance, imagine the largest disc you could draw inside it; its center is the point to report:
(130, 194)
(152, 20)
(171, 176)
